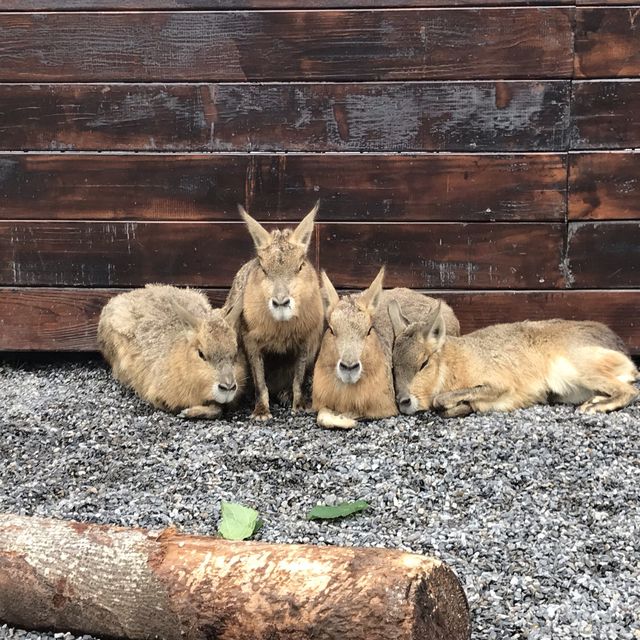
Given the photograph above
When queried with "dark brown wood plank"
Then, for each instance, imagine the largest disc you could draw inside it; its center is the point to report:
(141, 5)
(604, 186)
(54, 319)
(605, 115)
(456, 255)
(603, 255)
(606, 42)
(444, 255)
(432, 116)
(583, 3)
(236, 46)
(352, 187)
(121, 253)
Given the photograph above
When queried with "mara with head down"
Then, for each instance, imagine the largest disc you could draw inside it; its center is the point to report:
(173, 349)
(509, 366)
(352, 378)
(282, 315)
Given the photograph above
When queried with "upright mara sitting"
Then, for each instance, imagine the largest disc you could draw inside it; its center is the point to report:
(282, 316)
(509, 366)
(352, 378)
(173, 349)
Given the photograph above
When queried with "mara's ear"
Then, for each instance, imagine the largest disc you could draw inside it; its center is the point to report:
(435, 330)
(261, 237)
(399, 322)
(371, 296)
(330, 296)
(233, 312)
(302, 233)
(186, 317)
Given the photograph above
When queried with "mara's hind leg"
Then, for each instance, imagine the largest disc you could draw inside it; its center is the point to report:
(618, 394)
(461, 401)
(610, 380)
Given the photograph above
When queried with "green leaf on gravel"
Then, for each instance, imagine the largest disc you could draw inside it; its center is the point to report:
(238, 522)
(325, 512)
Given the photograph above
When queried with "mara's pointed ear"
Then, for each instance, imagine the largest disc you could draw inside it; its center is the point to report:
(435, 330)
(371, 296)
(399, 322)
(302, 233)
(330, 296)
(233, 312)
(261, 237)
(186, 317)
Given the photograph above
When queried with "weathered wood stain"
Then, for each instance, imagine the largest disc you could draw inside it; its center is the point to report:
(411, 44)
(465, 116)
(351, 187)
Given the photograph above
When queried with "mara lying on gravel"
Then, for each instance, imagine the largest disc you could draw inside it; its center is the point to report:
(352, 378)
(509, 366)
(173, 349)
(282, 315)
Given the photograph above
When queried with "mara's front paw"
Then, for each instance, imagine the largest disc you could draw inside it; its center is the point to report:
(597, 404)
(300, 406)
(330, 420)
(261, 412)
(200, 412)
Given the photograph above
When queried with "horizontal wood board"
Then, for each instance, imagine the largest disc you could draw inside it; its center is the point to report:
(352, 187)
(604, 186)
(457, 255)
(66, 319)
(420, 116)
(605, 114)
(604, 255)
(606, 42)
(239, 46)
(141, 5)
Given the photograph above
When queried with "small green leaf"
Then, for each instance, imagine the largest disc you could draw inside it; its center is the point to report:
(238, 522)
(325, 512)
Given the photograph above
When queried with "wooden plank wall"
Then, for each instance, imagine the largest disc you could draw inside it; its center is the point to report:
(485, 151)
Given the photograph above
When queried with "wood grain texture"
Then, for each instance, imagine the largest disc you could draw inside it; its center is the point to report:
(410, 44)
(603, 255)
(445, 255)
(458, 255)
(121, 253)
(604, 186)
(606, 42)
(605, 115)
(433, 116)
(351, 187)
(138, 5)
(66, 319)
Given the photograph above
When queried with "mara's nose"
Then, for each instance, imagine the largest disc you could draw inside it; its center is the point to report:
(404, 402)
(226, 387)
(349, 367)
(281, 302)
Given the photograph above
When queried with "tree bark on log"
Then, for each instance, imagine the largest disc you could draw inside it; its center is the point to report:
(132, 583)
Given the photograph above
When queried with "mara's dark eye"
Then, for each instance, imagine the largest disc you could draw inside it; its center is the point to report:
(370, 330)
(331, 331)
(424, 364)
(264, 271)
(301, 266)
(201, 354)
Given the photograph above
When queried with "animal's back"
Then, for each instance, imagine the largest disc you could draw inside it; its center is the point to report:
(145, 322)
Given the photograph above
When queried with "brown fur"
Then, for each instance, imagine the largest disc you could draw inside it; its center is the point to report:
(153, 338)
(511, 366)
(281, 270)
(360, 330)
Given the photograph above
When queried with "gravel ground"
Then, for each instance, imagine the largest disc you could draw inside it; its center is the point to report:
(537, 511)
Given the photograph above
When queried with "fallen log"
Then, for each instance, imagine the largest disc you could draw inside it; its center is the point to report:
(132, 583)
